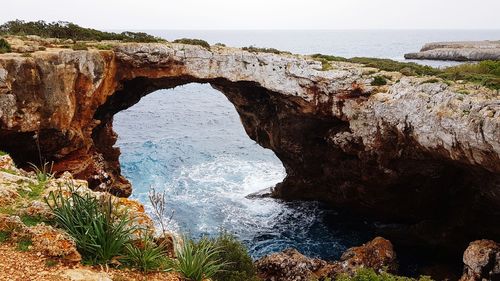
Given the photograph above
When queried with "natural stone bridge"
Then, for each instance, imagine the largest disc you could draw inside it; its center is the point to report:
(411, 150)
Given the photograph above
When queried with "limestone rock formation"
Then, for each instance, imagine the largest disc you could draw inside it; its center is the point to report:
(410, 151)
(482, 261)
(291, 265)
(459, 51)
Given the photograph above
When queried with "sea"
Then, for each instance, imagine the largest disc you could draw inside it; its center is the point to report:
(190, 143)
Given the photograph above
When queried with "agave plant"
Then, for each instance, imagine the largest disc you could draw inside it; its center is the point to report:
(197, 261)
(99, 234)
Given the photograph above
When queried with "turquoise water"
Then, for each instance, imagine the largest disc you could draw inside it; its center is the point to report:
(190, 142)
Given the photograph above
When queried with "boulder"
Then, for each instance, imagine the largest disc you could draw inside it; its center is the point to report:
(482, 261)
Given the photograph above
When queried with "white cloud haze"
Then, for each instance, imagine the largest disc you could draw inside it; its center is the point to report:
(261, 14)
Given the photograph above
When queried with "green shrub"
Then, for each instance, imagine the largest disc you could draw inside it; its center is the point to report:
(31, 220)
(220, 44)
(254, 49)
(146, 256)
(430, 81)
(189, 41)
(4, 236)
(67, 30)
(104, 47)
(79, 47)
(4, 46)
(2, 153)
(365, 274)
(485, 73)
(379, 81)
(100, 235)
(197, 260)
(238, 263)
(24, 245)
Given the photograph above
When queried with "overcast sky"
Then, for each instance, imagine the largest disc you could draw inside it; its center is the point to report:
(261, 14)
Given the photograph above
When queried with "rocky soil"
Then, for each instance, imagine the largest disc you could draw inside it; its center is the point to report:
(459, 51)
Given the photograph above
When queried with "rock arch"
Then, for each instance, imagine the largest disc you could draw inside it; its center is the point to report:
(406, 146)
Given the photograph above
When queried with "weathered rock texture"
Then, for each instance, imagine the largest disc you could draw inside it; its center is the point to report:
(459, 51)
(482, 261)
(410, 151)
(291, 265)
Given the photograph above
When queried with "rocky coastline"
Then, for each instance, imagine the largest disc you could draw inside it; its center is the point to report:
(458, 51)
(414, 150)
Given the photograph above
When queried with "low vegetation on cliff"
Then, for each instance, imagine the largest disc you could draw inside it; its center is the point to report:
(190, 41)
(64, 220)
(68, 30)
(4, 46)
(254, 49)
(485, 73)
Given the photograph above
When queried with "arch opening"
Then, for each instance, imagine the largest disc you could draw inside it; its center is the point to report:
(190, 142)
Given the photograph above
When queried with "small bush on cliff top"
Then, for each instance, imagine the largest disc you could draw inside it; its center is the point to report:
(67, 30)
(79, 47)
(189, 41)
(99, 234)
(254, 49)
(379, 81)
(4, 46)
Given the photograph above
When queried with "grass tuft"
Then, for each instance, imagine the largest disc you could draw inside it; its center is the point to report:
(197, 261)
(147, 256)
(4, 236)
(24, 245)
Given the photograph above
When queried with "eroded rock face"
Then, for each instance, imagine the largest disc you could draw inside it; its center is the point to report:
(291, 265)
(459, 51)
(409, 151)
(482, 261)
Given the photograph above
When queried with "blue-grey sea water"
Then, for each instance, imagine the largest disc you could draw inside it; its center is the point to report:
(190, 142)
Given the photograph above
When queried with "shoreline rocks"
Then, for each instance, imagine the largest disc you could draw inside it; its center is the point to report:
(291, 265)
(458, 51)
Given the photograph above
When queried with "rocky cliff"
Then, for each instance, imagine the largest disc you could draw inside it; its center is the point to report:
(459, 51)
(415, 150)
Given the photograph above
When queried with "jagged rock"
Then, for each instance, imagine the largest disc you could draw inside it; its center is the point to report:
(54, 243)
(482, 261)
(289, 265)
(403, 146)
(377, 254)
(459, 51)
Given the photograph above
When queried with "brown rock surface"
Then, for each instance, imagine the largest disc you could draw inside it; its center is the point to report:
(482, 261)
(290, 265)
